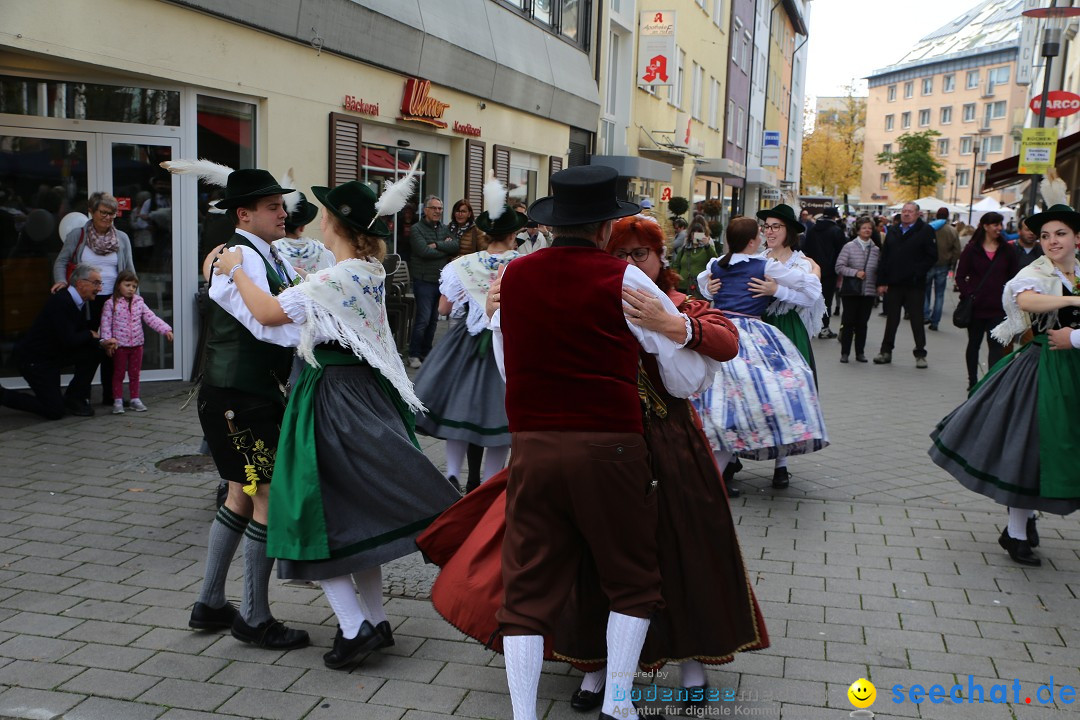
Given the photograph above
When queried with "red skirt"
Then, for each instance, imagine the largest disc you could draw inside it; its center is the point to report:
(710, 611)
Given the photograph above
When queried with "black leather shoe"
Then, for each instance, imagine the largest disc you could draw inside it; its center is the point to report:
(1032, 532)
(781, 478)
(204, 617)
(386, 637)
(844, 359)
(346, 651)
(1019, 550)
(729, 478)
(82, 408)
(585, 700)
(272, 635)
(860, 358)
(698, 697)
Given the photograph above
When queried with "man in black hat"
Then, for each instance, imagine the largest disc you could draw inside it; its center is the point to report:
(580, 479)
(822, 243)
(241, 405)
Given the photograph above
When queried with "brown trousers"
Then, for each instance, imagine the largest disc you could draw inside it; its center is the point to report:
(572, 493)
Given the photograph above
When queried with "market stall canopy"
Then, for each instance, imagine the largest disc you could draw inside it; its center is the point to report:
(989, 204)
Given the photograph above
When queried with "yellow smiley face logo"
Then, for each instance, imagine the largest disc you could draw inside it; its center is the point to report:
(862, 693)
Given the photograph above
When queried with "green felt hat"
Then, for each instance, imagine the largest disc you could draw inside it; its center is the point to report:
(353, 203)
(510, 221)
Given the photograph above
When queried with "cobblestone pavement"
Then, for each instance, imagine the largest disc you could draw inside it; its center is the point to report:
(873, 564)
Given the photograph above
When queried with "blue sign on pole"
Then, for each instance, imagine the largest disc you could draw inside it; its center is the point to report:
(770, 149)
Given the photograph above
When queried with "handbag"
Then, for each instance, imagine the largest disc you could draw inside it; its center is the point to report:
(852, 285)
(965, 308)
(74, 259)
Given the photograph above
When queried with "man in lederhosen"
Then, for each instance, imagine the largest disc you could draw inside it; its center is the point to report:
(241, 404)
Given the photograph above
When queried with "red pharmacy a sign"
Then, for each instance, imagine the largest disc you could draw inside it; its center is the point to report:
(1060, 104)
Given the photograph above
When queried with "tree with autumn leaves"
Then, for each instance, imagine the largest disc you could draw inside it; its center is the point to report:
(833, 151)
(915, 168)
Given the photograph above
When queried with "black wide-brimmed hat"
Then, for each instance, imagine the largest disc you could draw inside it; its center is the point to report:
(353, 203)
(304, 213)
(1064, 213)
(510, 221)
(243, 186)
(785, 213)
(581, 195)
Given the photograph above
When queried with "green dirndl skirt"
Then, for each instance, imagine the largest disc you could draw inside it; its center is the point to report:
(1014, 439)
(792, 327)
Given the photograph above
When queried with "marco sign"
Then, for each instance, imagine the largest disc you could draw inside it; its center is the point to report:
(1060, 103)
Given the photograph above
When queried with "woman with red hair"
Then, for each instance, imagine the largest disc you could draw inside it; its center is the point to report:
(695, 519)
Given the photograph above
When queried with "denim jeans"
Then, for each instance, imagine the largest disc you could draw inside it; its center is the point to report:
(936, 279)
(427, 315)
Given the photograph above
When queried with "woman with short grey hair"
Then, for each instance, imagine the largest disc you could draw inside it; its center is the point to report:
(100, 244)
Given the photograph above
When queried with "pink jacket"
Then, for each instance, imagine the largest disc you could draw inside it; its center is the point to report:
(123, 320)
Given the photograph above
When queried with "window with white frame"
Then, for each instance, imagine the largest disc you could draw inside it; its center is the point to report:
(736, 47)
(676, 90)
(924, 117)
(995, 110)
(965, 145)
(948, 82)
(718, 13)
(886, 148)
(946, 115)
(972, 79)
(998, 76)
(969, 112)
(905, 120)
(748, 48)
(963, 177)
(884, 181)
(714, 103)
(740, 129)
(943, 146)
(891, 93)
(697, 84)
(729, 121)
(927, 86)
(889, 119)
(909, 88)
(992, 144)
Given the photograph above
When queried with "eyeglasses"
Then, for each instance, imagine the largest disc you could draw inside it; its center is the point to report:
(94, 283)
(106, 213)
(639, 255)
(436, 208)
(772, 227)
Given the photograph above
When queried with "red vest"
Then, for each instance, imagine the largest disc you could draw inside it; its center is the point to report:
(571, 361)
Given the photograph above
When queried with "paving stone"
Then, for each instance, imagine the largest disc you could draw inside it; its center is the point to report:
(38, 602)
(179, 641)
(335, 709)
(30, 647)
(325, 683)
(40, 583)
(187, 694)
(93, 590)
(18, 701)
(182, 667)
(103, 709)
(110, 683)
(40, 675)
(258, 676)
(254, 703)
(402, 668)
(39, 624)
(470, 653)
(405, 694)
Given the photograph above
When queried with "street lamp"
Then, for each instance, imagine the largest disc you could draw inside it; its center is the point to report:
(1051, 47)
(974, 170)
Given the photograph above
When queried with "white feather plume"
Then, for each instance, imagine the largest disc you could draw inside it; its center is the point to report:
(1053, 189)
(494, 196)
(292, 200)
(212, 172)
(396, 194)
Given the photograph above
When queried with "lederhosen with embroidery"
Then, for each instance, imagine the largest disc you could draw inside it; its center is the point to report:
(242, 397)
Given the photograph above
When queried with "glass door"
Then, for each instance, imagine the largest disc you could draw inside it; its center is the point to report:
(45, 176)
(131, 170)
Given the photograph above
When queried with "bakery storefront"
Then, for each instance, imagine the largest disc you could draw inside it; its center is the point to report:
(89, 106)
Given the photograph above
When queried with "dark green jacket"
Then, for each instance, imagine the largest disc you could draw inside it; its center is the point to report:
(689, 262)
(426, 263)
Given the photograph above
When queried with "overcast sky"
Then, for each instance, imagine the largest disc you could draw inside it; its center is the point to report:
(852, 38)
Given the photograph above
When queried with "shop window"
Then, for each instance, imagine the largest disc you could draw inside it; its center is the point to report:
(88, 101)
(523, 171)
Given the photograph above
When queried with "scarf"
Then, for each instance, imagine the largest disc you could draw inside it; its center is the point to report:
(1040, 276)
(102, 244)
(459, 230)
(346, 303)
(474, 275)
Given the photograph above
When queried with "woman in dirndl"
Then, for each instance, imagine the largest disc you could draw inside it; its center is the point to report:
(763, 405)
(1014, 440)
(459, 383)
(356, 493)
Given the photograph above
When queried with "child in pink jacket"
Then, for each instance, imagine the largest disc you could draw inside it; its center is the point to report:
(121, 320)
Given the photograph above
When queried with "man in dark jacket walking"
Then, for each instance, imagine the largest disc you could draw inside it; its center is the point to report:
(822, 243)
(908, 253)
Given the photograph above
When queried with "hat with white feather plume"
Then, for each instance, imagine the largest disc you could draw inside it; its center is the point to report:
(355, 204)
(498, 219)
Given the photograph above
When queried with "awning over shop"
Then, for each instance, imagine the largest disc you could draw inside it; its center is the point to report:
(761, 176)
(1003, 172)
(721, 170)
(635, 167)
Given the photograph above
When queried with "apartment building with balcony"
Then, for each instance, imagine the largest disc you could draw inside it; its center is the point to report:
(960, 80)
